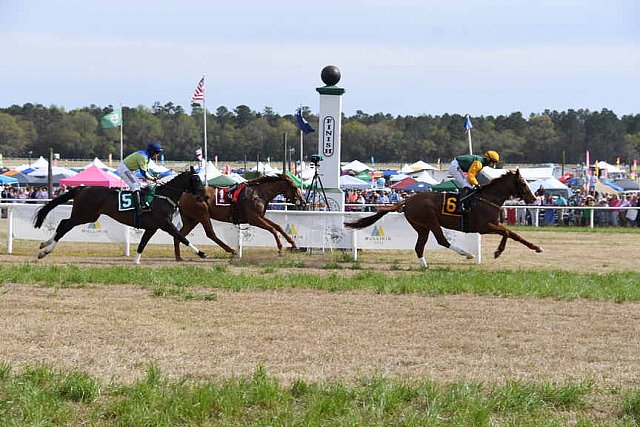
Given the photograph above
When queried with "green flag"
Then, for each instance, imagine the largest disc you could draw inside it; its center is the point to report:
(112, 120)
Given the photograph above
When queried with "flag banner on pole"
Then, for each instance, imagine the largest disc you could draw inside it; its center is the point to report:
(199, 154)
(112, 120)
(198, 94)
(303, 125)
(467, 123)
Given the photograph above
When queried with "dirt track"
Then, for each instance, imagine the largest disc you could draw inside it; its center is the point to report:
(117, 330)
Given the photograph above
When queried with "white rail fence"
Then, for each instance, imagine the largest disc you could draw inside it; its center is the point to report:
(321, 230)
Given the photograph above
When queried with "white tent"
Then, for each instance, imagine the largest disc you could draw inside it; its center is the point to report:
(609, 167)
(99, 164)
(41, 163)
(348, 181)
(529, 174)
(157, 168)
(551, 186)
(265, 168)
(55, 170)
(426, 177)
(356, 166)
(397, 178)
(416, 167)
(212, 171)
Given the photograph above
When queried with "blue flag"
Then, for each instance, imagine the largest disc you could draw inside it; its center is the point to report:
(303, 125)
(467, 123)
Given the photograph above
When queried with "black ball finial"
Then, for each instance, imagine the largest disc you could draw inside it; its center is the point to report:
(330, 75)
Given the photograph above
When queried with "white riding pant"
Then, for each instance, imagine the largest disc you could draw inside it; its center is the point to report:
(457, 174)
(129, 177)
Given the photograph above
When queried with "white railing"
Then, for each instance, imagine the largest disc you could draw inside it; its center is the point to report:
(322, 230)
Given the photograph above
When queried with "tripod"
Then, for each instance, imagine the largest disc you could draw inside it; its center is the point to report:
(315, 192)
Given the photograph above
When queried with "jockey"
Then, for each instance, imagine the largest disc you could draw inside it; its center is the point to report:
(139, 161)
(471, 164)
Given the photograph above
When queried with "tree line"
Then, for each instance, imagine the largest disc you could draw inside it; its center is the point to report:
(242, 133)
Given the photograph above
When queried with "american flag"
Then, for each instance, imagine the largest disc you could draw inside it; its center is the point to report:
(198, 94)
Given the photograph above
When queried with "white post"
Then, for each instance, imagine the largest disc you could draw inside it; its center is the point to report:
(329, 140)
(469, 137)
(121, 132)
(354, 242)
(127, 241)
(239, 241)
(479, 250)
(10, 230)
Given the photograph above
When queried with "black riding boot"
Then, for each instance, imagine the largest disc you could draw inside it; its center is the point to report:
(465, 199)
(137, 215)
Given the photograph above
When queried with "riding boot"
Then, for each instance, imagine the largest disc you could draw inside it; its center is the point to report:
(137, 215)
(463, 199)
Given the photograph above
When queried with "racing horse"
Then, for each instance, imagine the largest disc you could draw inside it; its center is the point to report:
(90, 202)
(431, 211)
(249, 209)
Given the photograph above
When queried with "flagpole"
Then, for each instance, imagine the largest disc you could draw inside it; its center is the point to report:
(301, 147)
(121, 131)
(204, 115)
(469, 136)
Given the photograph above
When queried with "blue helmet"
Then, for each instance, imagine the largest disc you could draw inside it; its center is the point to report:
(154, 147)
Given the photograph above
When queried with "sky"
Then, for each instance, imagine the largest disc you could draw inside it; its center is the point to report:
(401, 57)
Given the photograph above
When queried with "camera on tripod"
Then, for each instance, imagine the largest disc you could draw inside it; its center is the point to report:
(316, 159)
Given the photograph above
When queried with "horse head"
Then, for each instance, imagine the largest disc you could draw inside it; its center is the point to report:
(521, 188)
(293, 194)
(195, 187)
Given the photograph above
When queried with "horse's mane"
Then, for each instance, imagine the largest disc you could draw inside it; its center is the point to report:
(499, 180)
(267, 178)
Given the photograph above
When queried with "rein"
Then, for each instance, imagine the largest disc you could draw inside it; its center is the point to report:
(495, 205)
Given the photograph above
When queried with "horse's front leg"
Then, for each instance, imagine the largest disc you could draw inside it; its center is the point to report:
(148, 234)
(506, 233)
(173, 231)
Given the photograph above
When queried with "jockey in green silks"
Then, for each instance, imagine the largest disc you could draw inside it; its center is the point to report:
(134, 162)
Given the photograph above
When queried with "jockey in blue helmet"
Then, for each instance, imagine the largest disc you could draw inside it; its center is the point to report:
(134, 162)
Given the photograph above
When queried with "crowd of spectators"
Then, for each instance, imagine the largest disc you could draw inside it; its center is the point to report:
(369, 197)
(563, 211)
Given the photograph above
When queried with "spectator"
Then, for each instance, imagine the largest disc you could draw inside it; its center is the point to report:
(614, 214)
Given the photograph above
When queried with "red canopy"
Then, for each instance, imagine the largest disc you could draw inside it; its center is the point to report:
(95, 176)
(404, 183)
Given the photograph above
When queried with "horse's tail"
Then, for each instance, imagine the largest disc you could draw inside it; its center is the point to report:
(44, 211)
(368, 220)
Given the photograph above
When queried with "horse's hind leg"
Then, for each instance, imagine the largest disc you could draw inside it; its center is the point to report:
(280, 230)
(262, 223)
(501, 246)
(63, 228)
(442, 239)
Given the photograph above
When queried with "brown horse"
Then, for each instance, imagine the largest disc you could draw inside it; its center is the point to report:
(90, 202)
(250, 209)
(431, 211)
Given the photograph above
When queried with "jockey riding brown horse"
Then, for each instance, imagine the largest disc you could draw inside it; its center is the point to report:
(430, 211)
(249, 208)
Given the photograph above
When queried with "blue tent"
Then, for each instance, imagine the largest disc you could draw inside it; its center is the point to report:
(7, 180)
(418, 187)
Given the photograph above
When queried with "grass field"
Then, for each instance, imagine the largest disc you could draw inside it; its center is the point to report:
(527, 339)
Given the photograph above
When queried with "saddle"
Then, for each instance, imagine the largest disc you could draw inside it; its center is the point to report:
(126, 203)
(231, 196)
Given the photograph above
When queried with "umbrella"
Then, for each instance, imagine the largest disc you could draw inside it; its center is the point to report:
(418, 187)
(450, 185)
(627, 184)
(7, 180)
(221, 181)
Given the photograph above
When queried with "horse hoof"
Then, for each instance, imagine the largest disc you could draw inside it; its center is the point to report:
(41, 255)
(202, 255)
(470, 256)
(539, 250)
(496, 254)
(43, 245)
(179, 259)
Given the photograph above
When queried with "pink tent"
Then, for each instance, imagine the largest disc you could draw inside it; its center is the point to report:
(95, 176)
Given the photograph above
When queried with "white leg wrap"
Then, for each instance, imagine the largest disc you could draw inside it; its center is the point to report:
(193, 248)
(136, 259)
(460, 251)
(422, 262)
